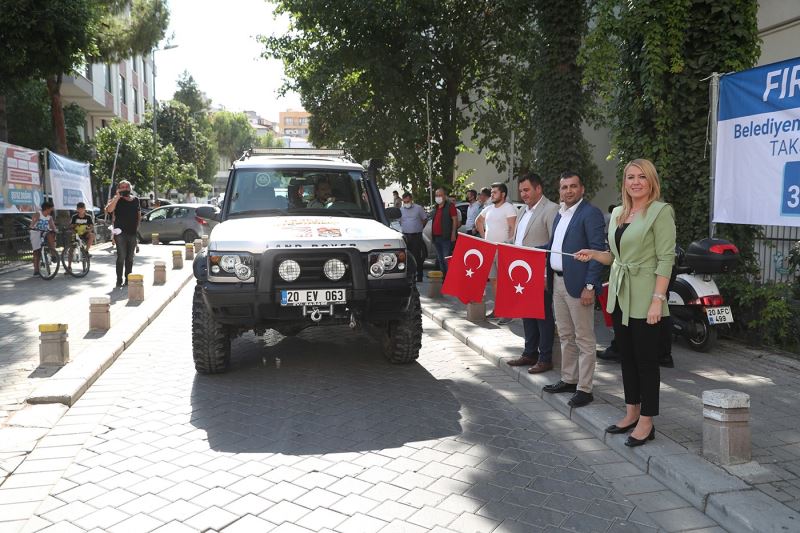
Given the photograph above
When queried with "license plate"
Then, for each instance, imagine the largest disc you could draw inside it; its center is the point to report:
(719, 315)
(313, 297)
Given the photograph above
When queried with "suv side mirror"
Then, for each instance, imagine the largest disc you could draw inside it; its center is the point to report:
(207, 211)
(393, 213)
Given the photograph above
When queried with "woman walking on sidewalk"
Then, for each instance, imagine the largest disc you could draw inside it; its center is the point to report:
(641, 235)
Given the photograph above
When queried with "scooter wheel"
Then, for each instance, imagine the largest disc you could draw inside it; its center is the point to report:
(705, 337)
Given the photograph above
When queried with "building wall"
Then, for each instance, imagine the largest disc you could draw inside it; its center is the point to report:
(294, 123)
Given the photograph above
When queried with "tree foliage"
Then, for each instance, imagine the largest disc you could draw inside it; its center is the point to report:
(233, 133)
(177, 126)
(648, 63)
(189, 94)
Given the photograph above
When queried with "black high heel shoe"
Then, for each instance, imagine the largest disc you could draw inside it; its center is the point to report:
(634, 442)
(615, 429)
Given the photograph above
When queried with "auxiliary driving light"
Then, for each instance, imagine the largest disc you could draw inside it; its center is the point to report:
(289, 270)
(334, 269)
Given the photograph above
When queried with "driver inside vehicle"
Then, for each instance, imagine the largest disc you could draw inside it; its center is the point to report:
(322, 196)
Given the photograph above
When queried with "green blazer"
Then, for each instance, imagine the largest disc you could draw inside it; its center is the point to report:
(648, 250)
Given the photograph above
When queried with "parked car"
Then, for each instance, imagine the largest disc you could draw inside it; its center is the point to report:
(178, 222)
(462, 215)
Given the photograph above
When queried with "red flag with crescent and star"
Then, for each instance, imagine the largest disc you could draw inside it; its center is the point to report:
(469, 268)
(520, 282)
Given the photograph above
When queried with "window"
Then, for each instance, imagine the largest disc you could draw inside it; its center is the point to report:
(87, 71)
(135, 62)
(135, 101)
(144, 71)
(303, 121)
(109, 87)
(289, 121)
(123, 92)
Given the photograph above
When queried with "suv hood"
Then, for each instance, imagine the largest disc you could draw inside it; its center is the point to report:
(257, 234)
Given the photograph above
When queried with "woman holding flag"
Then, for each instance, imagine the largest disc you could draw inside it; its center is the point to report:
(641, 235)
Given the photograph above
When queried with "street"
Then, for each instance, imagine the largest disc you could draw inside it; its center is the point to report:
(318, 432)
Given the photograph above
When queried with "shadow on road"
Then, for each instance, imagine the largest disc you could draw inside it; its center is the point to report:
(331, 391)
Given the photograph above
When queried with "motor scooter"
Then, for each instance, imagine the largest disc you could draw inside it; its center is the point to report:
(696, 306)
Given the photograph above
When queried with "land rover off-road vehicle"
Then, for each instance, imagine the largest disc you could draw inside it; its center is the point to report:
(303, 240)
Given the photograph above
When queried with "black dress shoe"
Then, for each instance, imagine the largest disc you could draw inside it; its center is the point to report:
(615, 429)
(556, 388)
(666, 361)
(580, 398)
(632, 442)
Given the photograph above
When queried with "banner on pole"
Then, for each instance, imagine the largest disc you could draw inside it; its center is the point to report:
(20, 184)
(757, 171)
(69, 181)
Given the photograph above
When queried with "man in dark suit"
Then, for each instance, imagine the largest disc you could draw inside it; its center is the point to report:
(578, 224)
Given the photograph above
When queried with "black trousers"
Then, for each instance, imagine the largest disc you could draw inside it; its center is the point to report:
(639, 345)
(126, 249)
(416, 247)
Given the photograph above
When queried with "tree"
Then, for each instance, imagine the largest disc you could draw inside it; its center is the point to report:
(233, 132)
(644, 61)
(369, 72)
(189, 94)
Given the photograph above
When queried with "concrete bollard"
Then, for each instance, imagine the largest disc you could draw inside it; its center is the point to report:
(726, 426)
(204, 238)
(159, 273)
(476, 312)
(435, 279)
(177, 260)
(154, 238)
(198, 245)
(100, 313)
(190, 251)
(135, 288)
(53, 344)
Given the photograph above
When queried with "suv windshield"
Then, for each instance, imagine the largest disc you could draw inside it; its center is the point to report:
(277, 191)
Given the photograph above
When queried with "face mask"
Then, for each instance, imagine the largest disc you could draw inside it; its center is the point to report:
(407, 205)
(125, 193)
(439, 200)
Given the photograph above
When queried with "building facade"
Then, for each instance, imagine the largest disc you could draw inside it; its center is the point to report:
(294, 123)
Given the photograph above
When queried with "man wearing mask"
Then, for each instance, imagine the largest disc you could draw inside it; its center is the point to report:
(125, 209)
(412, 221)
(444, 228)
(473, 211)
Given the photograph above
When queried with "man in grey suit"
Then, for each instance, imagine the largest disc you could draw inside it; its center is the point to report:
(534, 228)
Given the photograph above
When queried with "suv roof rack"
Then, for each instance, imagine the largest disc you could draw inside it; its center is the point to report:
(329, 152)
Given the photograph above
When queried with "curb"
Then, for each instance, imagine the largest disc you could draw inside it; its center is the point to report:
(732, 503)
(69, 384)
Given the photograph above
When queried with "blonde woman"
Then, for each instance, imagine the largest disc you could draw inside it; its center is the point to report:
(641, 235)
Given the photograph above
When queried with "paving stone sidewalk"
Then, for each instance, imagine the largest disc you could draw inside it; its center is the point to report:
(771, 379)
(26, 302)
(331, 439)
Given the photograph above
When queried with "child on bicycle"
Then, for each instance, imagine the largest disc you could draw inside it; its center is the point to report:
(82, 224)
(42, 224)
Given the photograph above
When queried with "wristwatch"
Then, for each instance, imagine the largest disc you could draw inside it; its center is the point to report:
(589, 287)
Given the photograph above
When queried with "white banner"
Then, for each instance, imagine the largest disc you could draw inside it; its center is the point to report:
(69, 181)
(20, 186)
(758, 147)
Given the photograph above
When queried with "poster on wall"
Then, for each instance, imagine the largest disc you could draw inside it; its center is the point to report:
(20, 182)
(69, 181)
(757, 171)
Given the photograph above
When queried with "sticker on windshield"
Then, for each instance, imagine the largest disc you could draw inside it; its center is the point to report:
(263, 179)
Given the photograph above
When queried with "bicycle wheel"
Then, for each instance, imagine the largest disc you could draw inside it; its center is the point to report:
(75, 260)
(48, 265)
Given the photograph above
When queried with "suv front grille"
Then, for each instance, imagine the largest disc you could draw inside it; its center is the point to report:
(311, 268)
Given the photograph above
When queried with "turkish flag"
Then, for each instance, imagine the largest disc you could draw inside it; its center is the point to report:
(520, 282)
(469, 268)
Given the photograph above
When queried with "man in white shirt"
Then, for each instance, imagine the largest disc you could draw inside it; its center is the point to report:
(496, 224)
(473, 211)
(573, 283)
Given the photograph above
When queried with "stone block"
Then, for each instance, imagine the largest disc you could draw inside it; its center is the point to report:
(435, 279)
(135, 288)
(177, 260)
(198, 245)
(190, 251)
(726, 427)
(476, 312)
(159, 273)
(204, 238)
(751, 511)
(154, 238)
(100, 313)
(53, 344)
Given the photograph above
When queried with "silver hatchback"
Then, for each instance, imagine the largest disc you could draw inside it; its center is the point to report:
(177, 222)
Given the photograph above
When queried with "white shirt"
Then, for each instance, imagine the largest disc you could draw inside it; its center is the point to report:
(473, 211)
(496, 220)
(558, 235)
(523, 224)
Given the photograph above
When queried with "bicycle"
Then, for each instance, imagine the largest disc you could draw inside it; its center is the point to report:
(48, 258)
(76, 252)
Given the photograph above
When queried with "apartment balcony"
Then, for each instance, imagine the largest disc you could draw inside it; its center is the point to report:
(79, 90)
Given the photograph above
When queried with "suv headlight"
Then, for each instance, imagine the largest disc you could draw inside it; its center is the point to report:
(238, 265)
(387, 262)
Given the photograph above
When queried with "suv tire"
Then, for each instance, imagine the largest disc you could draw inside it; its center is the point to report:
(403, 338)
(211, 341)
